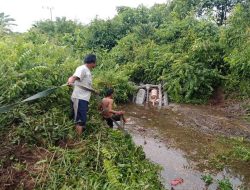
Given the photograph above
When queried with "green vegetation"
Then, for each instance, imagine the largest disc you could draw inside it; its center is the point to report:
(223, 152)
(225, 184)
(194, 48)
(207, 179)
(102, 159)
(5, 23)
(185, 45)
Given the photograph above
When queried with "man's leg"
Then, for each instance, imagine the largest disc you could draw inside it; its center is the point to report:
(119, 118)
(81, 117)
(109, 122)
(79, 129)
(116, 117)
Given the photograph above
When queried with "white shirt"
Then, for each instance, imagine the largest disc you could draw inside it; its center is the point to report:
(85, 79)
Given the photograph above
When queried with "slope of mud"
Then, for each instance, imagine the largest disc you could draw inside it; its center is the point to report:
(185, 139)
(20, 164)
(210, 120)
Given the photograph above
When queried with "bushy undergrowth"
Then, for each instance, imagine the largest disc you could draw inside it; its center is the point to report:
(176, 44)
(101, 159)
(102, 162)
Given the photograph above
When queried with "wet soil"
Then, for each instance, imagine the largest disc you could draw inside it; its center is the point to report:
(212, 119)
(21, 165)
(185, 139)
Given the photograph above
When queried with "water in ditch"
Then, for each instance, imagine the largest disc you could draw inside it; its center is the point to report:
(180, 150)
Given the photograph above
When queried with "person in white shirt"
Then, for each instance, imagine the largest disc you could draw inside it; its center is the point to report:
(82, 82)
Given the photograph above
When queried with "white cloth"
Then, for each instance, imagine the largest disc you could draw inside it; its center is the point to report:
(85, 79)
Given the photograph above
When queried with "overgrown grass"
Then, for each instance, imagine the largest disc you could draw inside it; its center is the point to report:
(106, 159)
(229, 151)
(101, 159)
(225, 184)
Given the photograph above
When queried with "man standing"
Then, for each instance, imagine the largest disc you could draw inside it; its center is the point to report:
(82, 82)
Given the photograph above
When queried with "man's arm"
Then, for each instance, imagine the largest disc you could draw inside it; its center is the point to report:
(78, 75)
(72, 79)
(110, 108)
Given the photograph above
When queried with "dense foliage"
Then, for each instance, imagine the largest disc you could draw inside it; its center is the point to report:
(102, 159)
(191, 47)
(5, 23)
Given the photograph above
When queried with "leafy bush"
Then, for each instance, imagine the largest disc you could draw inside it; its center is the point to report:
(242, 153)
(207, 179)
(225, 184)
(173, 44)
(109, 79)
(29, 66)
(102, 162)
(236, 37)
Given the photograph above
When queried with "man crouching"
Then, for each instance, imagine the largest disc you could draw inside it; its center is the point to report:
(82, 82)
(107, 109)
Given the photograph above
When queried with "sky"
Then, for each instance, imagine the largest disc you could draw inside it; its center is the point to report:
(26, 12)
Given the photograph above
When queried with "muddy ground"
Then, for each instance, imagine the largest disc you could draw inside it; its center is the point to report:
(227, 119)
(21, 165)
(187, 141)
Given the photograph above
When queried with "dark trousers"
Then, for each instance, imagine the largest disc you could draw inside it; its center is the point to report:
(79, 110)
(113, 118)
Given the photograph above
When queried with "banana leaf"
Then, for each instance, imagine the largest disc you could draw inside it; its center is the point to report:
(39, 95)
(7, 108)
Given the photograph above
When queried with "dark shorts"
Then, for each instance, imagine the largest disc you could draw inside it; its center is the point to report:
(79, 110)
(113, 118)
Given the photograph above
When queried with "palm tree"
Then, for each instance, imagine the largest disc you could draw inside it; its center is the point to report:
(5, 23)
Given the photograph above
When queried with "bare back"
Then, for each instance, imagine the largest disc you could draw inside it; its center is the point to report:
(106, 107)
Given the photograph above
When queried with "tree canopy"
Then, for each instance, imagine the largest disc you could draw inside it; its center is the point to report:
(5, 23)
(192, 47)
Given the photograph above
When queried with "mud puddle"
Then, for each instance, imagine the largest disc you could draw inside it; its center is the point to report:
(182, 151)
